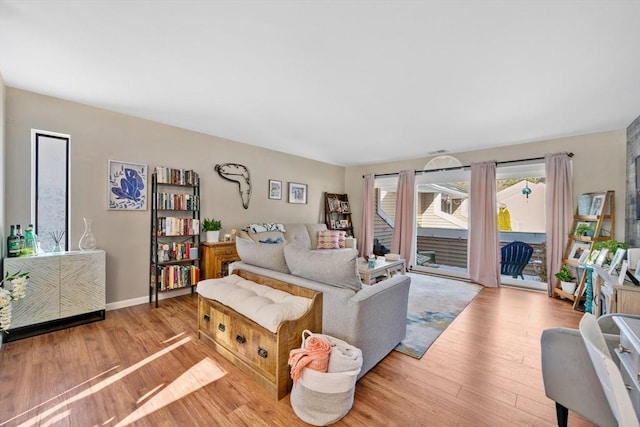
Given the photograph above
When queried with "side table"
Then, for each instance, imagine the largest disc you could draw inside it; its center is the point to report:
(216, 257)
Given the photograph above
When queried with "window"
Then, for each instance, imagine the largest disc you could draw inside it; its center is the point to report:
(50, 188)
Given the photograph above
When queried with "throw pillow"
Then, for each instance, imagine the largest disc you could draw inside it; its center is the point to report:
(336, 268)
(331, 239)
(328, 240)
(266, 255)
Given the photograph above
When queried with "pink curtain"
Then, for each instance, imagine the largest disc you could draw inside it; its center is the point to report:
(404, 224)
(559, 211)
(484, 250)
(368, 206)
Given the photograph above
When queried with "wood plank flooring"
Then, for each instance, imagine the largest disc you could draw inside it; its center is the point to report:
(146, 367)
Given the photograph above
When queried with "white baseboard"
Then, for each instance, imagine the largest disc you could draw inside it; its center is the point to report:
(145, 300)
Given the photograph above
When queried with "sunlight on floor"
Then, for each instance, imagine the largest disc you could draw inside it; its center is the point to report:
(196, 377)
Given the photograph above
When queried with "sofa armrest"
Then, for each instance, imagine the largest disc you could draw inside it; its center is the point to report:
(569, 377)
(379, 318)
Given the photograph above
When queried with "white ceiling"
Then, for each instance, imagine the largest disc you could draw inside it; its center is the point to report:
(344, 82)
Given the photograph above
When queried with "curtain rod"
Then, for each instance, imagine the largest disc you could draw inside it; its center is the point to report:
(453, 168)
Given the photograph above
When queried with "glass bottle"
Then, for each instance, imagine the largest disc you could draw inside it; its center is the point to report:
(20, 237)
(87, 241)
(13, 243)
(29, 241)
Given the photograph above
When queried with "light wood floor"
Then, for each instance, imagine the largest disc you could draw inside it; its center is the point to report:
(145, 366)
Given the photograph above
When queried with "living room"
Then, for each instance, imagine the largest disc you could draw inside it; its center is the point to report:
(102, 134)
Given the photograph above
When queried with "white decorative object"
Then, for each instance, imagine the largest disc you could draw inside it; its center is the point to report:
(87, 241)
(568, 287)
(212, 236)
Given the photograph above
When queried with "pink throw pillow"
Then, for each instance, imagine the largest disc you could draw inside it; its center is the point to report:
(331, 239)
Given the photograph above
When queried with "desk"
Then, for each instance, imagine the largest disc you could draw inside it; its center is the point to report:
(616, 298)
(382, 268)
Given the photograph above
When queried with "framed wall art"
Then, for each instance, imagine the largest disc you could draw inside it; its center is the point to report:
(127, 186)
(275, 189)
(297, 193)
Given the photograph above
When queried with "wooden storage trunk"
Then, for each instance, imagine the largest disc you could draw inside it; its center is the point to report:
(258, 352)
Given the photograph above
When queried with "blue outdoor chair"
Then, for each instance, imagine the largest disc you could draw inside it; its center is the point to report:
(514, 258)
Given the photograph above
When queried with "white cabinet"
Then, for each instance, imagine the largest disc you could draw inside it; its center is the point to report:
(63, 289)
(629, 354)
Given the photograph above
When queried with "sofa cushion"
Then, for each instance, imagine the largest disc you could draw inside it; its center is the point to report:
(267, 255)
(265, 226)
(336, 268)
(298, 235)
(331, 239)
(313, 230)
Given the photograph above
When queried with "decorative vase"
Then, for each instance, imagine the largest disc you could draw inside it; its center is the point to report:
(568, 287)
(212, 236)
(57, 248)
(87, 241)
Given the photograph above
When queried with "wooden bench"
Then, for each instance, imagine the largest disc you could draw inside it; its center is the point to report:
(255, 350)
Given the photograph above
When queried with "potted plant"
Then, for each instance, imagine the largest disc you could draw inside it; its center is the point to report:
(612, 246)
(584, 230)
(212, 228)
(566, 280)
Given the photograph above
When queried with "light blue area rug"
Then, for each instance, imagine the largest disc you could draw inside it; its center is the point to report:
(433, 304)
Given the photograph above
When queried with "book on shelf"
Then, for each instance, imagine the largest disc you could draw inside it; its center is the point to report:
(170, 201)
(176, 276)
(165, 175)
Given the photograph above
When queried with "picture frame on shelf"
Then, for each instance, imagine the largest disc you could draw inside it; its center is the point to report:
(596, 205)
(617, 259)
(297, 193)
(344, 223)
(344, 207)
(577, 250)
(584, 257)
(623, 271)
(602, 256)
(593, 257)
(275, 189)
(127, 186)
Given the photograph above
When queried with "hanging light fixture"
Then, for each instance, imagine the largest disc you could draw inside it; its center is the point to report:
(526, 190)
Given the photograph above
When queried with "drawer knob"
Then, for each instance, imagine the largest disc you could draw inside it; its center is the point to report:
(241, 339)
(221, 327)
(206, 317)
(628, 387)
(262, 352)
(623, 349)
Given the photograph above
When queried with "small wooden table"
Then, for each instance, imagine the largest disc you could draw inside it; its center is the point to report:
(382, 268)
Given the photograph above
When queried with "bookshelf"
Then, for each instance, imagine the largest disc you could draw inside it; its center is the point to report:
(338, 212)
(175, 230)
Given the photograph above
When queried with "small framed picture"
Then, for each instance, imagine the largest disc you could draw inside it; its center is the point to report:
(617, 259)
(623, 271)
(344, 223)
(593, 257)
(585, 256)
(596, 205)
(344, 207)
(577, 250)
(333, 223)
(602, 256)
(127, 186)
(297, 193)
(275, 189)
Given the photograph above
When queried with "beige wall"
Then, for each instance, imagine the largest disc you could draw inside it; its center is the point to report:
(598, 165)
(98, 135)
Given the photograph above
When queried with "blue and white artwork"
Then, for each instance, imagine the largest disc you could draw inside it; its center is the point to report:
(127, 186)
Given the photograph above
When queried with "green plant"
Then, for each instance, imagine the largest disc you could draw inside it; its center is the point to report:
(611, 245)
(582, 229)
(210, 224)
(565, 274)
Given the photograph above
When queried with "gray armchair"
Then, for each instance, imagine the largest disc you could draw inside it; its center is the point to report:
(568, 374)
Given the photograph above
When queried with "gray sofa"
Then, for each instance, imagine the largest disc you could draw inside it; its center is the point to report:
(372, 318)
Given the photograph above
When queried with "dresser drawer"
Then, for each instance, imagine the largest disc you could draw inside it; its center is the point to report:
(630, 380)
(628, 352)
